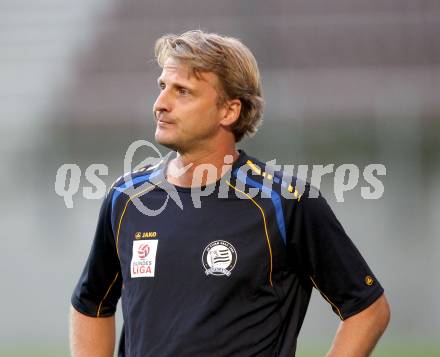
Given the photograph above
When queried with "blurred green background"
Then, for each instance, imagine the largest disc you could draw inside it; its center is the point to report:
(346, 81)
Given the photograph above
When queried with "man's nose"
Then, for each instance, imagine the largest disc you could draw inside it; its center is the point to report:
(162, 103)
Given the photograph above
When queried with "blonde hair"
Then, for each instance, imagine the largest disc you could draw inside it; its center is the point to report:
(231, 61)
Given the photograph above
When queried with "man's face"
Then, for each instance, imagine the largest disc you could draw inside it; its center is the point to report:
(186, 109)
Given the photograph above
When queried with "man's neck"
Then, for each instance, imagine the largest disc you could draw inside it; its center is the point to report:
(200, 168)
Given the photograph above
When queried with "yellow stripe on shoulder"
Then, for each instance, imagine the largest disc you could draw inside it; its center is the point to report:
(254, 167)
(296, 194)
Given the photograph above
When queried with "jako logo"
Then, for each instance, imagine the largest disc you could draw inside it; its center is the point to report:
(143, 251)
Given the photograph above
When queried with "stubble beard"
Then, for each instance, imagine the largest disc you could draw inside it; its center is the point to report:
(170, 144)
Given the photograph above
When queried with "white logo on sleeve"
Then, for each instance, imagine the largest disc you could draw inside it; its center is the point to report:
(143, 261)
(219, 258)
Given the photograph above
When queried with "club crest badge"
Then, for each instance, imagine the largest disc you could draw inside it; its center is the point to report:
(219, 258)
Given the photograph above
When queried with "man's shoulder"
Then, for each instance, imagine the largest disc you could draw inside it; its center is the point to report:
(137, 176)
(272, 177)
(130, 182)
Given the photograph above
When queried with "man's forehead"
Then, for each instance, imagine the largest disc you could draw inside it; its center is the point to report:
(182, 69)
(177, 67)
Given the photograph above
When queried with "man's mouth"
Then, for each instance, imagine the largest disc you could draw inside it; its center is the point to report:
(161, 119)
(165, 121)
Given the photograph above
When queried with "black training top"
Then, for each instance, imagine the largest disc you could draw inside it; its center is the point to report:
(226, 270)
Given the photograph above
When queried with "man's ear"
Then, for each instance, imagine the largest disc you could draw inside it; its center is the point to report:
(231, 110)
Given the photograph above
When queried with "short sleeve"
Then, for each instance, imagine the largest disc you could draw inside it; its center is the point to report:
(325, 254)
(99, 287)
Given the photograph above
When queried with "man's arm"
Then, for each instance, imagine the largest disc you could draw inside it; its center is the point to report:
(91, 336)
(358, 334)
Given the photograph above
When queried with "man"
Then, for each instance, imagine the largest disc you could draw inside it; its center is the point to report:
(228, 273)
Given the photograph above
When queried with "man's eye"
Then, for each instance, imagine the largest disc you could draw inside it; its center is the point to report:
(162, 86)
(183, 91)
